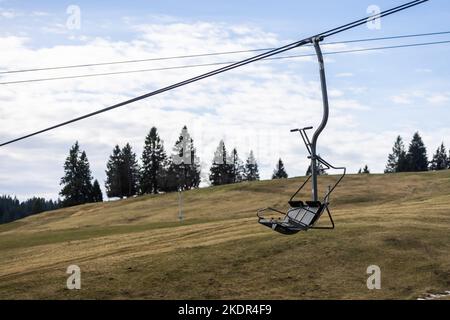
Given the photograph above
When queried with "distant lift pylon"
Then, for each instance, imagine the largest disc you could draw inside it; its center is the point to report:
(302, 216)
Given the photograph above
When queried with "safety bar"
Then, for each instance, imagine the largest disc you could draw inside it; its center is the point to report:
(330, 190)
(305, 137)
(327, 165)
(331, 219)
(301, 187)
(266, 209)
(303, 129)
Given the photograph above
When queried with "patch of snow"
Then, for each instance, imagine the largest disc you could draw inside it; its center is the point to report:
(431, 296)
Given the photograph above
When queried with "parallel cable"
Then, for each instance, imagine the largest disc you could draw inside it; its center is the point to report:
(213, 53)
(403, 36)
(135, 61)
(367, 49)
(267, 54)
(223, 63)
(363, 21)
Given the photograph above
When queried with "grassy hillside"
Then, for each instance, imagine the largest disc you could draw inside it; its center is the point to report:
(136, 248)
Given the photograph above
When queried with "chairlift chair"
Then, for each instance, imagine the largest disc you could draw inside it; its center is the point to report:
(302, 216)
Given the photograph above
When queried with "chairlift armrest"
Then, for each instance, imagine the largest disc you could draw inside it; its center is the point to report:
(260, 211)
(327, 195)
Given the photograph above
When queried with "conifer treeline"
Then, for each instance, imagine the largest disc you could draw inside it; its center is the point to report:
(156, 172)
(160, 172)
(12, 209)
(228, 167)
(415, 159)
(180, 170)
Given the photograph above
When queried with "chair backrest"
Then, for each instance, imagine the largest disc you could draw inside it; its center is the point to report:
(296, 203)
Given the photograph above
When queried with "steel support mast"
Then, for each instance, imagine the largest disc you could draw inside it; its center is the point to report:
(323, 83)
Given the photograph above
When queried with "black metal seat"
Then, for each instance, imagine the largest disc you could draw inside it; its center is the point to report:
(299, 217)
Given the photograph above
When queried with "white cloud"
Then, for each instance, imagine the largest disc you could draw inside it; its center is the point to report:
(55, 28)
(344, 75)
(350, 104)
(39, 14)
(401, 99)
(418, 96)
(335, 93)
(423, 70)
(8, 13)
(438, 98)
(357, 90)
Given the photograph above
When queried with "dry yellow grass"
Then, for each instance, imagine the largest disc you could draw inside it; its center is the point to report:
(136, 248)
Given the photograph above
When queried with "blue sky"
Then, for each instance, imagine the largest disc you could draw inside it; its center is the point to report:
(374, 96)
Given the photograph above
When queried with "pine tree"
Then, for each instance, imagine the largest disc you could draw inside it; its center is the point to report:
(279, 172)
(417, 155)
(129, 172)
(97, 195)
(251, 172)
(84, 172)
(114, 166)
(220, 171)
(168, 180)
(236, 167)
(153, 163)
(71, 191)
(185, 162)
(77, 186)
(440, 159)
(225, 169)
(397, 159)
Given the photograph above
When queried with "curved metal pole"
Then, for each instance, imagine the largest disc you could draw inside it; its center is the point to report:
(322, 125)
